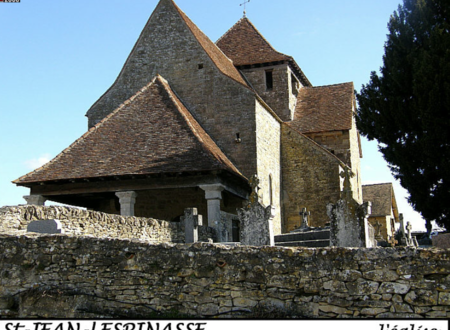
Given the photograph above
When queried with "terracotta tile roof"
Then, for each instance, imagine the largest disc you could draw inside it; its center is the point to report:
(324, 108)
(382, 198)
(150, 133)
(223, 63)
(245, 45)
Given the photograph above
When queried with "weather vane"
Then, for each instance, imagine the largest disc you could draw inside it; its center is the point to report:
(243, 4)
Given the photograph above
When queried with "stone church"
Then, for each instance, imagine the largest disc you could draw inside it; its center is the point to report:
(188, 122)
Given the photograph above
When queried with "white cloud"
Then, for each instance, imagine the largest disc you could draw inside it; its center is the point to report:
(34, 163)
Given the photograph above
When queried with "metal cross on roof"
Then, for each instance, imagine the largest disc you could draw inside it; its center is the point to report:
(243, 4)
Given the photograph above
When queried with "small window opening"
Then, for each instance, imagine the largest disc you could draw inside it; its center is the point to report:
(200, 66)
(269, 80)
(270, 189)
(238, 138)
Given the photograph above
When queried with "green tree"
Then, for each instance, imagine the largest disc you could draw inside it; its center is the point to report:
(406, 107)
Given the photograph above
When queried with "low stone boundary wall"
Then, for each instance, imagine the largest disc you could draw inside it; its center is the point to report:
(441, 241)
(80, 222)
(71, 277)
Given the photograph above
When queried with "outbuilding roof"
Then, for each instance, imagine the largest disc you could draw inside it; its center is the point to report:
(383, 199)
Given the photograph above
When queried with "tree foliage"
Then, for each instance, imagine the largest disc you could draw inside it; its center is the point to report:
(407, 106)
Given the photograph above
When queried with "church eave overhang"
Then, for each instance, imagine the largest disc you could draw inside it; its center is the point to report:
(130, 177)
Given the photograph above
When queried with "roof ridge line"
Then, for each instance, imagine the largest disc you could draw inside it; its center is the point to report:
(378, 184)
(222, 36)
(188, 21)
(331, 85)
(260, 34)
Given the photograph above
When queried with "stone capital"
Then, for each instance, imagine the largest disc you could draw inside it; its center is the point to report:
(213, 191)
(35, 199)
(127, 196)
(127, 200)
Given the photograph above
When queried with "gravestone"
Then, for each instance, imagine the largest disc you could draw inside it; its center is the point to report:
(45, 227)
(256, 220)
(192, 220)
(349, 219)
(304, 214)
(411, 241)
(378, 227)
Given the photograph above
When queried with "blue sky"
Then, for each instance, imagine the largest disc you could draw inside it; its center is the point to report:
(59, 57)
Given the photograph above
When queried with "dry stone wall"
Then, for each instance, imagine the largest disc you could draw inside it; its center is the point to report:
(80, 222)
(69, 276)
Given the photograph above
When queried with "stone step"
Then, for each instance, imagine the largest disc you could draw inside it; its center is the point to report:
(304, 236)
(313, 243)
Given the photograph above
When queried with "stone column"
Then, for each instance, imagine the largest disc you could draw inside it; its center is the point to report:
(213, 195)
(127, 200)
(35, 199)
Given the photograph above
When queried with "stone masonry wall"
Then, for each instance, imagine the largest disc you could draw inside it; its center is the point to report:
(268, 148)
(280, 98)
(76, 277)
(79, 222)
(310, 177)
(345, 145)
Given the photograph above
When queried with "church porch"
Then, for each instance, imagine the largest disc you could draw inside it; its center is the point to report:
(161, 197)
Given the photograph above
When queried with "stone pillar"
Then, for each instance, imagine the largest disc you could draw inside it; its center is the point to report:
(213, 195)
(35, 199)
(127, 200)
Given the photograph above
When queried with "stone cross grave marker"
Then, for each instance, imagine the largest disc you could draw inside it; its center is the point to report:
(304, 214)
(192, 220)
(408, 231)
(378, 232)
(392, 241)
(402, 223)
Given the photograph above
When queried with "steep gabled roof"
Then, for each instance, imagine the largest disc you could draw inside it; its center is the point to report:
(223, 63)
(324, 108)
(245, 45)
(382, 197)
(150, 133)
